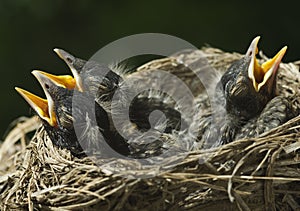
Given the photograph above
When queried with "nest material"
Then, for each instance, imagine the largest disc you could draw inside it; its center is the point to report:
(250, 174)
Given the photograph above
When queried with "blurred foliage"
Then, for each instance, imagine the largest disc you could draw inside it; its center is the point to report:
(30, 29)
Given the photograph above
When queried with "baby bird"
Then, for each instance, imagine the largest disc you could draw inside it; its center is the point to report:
(73, 120)
(241, 95)
(122, 93)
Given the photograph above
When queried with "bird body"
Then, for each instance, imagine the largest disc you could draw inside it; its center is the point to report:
(244, 95)
(147, 112)
(127, 98)
(81, 125)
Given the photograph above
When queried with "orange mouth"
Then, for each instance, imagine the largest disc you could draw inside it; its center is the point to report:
(260, 74)
(40, 106)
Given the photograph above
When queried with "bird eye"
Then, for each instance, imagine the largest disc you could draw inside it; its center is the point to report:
(69, 60)
(47, 86)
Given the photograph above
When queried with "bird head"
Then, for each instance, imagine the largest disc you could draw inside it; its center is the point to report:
(65, 110)
(90, 76)
(249, 85)
(75, 65)
(64, 81)
(40, 106)
(55, 88)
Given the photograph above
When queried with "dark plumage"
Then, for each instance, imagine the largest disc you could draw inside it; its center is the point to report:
(242, 95)
(134, 113)
(101, 82)
(142, 107)
(85, 113)
(278, 111)
(81, 125)
(247, 86)
(90, 76)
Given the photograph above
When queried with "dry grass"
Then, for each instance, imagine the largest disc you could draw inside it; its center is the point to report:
(250, 174)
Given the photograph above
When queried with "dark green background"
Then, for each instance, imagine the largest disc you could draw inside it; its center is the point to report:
(30, 29)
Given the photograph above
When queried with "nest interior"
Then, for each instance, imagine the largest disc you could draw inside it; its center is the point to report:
(261, 173)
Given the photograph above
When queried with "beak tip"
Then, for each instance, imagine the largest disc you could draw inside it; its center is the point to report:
(252, 49)
(256, 40)
(284, 48)
(59, 52)
(34, 72)
(20, 90)
(56, 50)
(37, 73)
(280, 54)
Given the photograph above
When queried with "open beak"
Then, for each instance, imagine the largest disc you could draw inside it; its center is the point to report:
(39, 105)
(263, 74)
(70, 61)
(46, 83)
(65, 81)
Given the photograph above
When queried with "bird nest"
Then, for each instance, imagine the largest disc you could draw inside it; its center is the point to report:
(250, 174)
